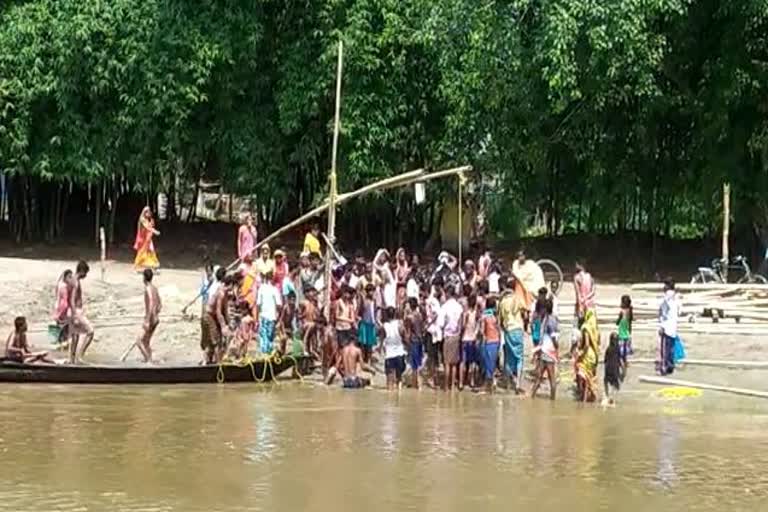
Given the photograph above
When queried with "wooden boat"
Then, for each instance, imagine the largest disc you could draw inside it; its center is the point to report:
(254, 371)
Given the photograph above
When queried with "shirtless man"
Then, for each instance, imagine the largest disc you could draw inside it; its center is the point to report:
(286, 323)
(352, 365)
(216, 323)
(308, 316)
(17, 349)
(80, 324)
(152, 307)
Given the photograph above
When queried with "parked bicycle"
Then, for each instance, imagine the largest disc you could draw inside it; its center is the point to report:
(742, 273)
(553, 275)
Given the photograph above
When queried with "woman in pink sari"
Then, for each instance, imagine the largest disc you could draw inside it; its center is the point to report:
(143, 245)
(402, 271)
(246, 237)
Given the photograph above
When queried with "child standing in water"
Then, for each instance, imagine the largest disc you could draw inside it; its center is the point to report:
(470, 357)
(624, 323)
(366, 330)
(548, 352)
(612, 376)
(491, 337)
(393, 348)
(414, 324)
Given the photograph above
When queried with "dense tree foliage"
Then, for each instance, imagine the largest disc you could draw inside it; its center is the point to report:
(579, 115)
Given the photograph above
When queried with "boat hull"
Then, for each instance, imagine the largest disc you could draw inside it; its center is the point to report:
(257, 371)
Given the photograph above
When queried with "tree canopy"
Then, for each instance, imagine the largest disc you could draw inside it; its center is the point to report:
(579, 115)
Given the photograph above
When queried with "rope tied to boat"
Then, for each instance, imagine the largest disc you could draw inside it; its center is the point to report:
(274, 358)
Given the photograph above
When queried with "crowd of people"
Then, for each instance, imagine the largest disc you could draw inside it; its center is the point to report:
(445, 324)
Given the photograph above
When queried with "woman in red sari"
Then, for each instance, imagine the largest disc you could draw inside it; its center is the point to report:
(146, 257)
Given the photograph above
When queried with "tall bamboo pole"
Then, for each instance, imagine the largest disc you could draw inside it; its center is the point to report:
(726, 226)
(401, 180)
(461, 226)
(331, 236)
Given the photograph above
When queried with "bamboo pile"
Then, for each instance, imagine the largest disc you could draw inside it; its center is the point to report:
(710, 309)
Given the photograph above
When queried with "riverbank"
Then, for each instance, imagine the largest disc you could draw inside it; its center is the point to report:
(115, 306)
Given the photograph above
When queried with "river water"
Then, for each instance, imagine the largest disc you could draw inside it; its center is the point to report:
(299, 447)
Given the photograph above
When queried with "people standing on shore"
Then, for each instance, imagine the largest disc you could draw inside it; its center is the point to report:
(513, 316)
(215, 323)
(152, 307)
(586, 358)
(246, 237)
(144, 245)
(490, 334)
(452, 313)
(392, 334)
(80, 326)
(624, 334)
(548, 351)
(470, 357)
(584, 289)
(269, 300)
(63, 311)
(669, 312)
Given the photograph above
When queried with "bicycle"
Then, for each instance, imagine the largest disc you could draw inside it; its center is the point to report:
(553, 275)
(714, 273)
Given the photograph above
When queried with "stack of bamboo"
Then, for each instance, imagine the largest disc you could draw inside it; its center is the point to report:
(713, 308)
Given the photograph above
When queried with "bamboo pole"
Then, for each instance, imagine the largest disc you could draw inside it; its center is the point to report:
(402, 180)
(663, 381)
(714, 363)
(461, 227)
(331, 236)
(682, 287)
(726, 227)
(394, 181)
(103, 252)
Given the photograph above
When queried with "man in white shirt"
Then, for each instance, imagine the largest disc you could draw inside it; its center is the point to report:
(435, 329)
(669, 312)
(452, 313)
(269, 301)
(412, 286)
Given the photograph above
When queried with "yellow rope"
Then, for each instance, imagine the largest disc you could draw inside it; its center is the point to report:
(270, 360)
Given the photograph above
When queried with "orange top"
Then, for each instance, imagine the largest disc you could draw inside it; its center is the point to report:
(491, 332)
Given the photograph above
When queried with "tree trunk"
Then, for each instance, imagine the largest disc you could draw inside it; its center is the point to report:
(115, 197)
(97, 210)
(170, 207)
(195, 195)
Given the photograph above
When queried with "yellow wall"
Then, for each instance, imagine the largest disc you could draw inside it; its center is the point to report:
(449, 226)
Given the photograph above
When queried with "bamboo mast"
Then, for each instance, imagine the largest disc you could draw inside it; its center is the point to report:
(461, 227)
(331, 236)
(726, 226)
(401, 180)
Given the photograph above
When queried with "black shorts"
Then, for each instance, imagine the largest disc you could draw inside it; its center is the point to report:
(434, 351)
(344, 338)
(355, 383)
(396, 365)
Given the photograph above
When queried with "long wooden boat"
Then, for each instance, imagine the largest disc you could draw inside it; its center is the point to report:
(254, 371)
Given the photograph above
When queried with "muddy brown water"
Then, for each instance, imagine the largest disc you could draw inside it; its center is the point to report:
(306, 447)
